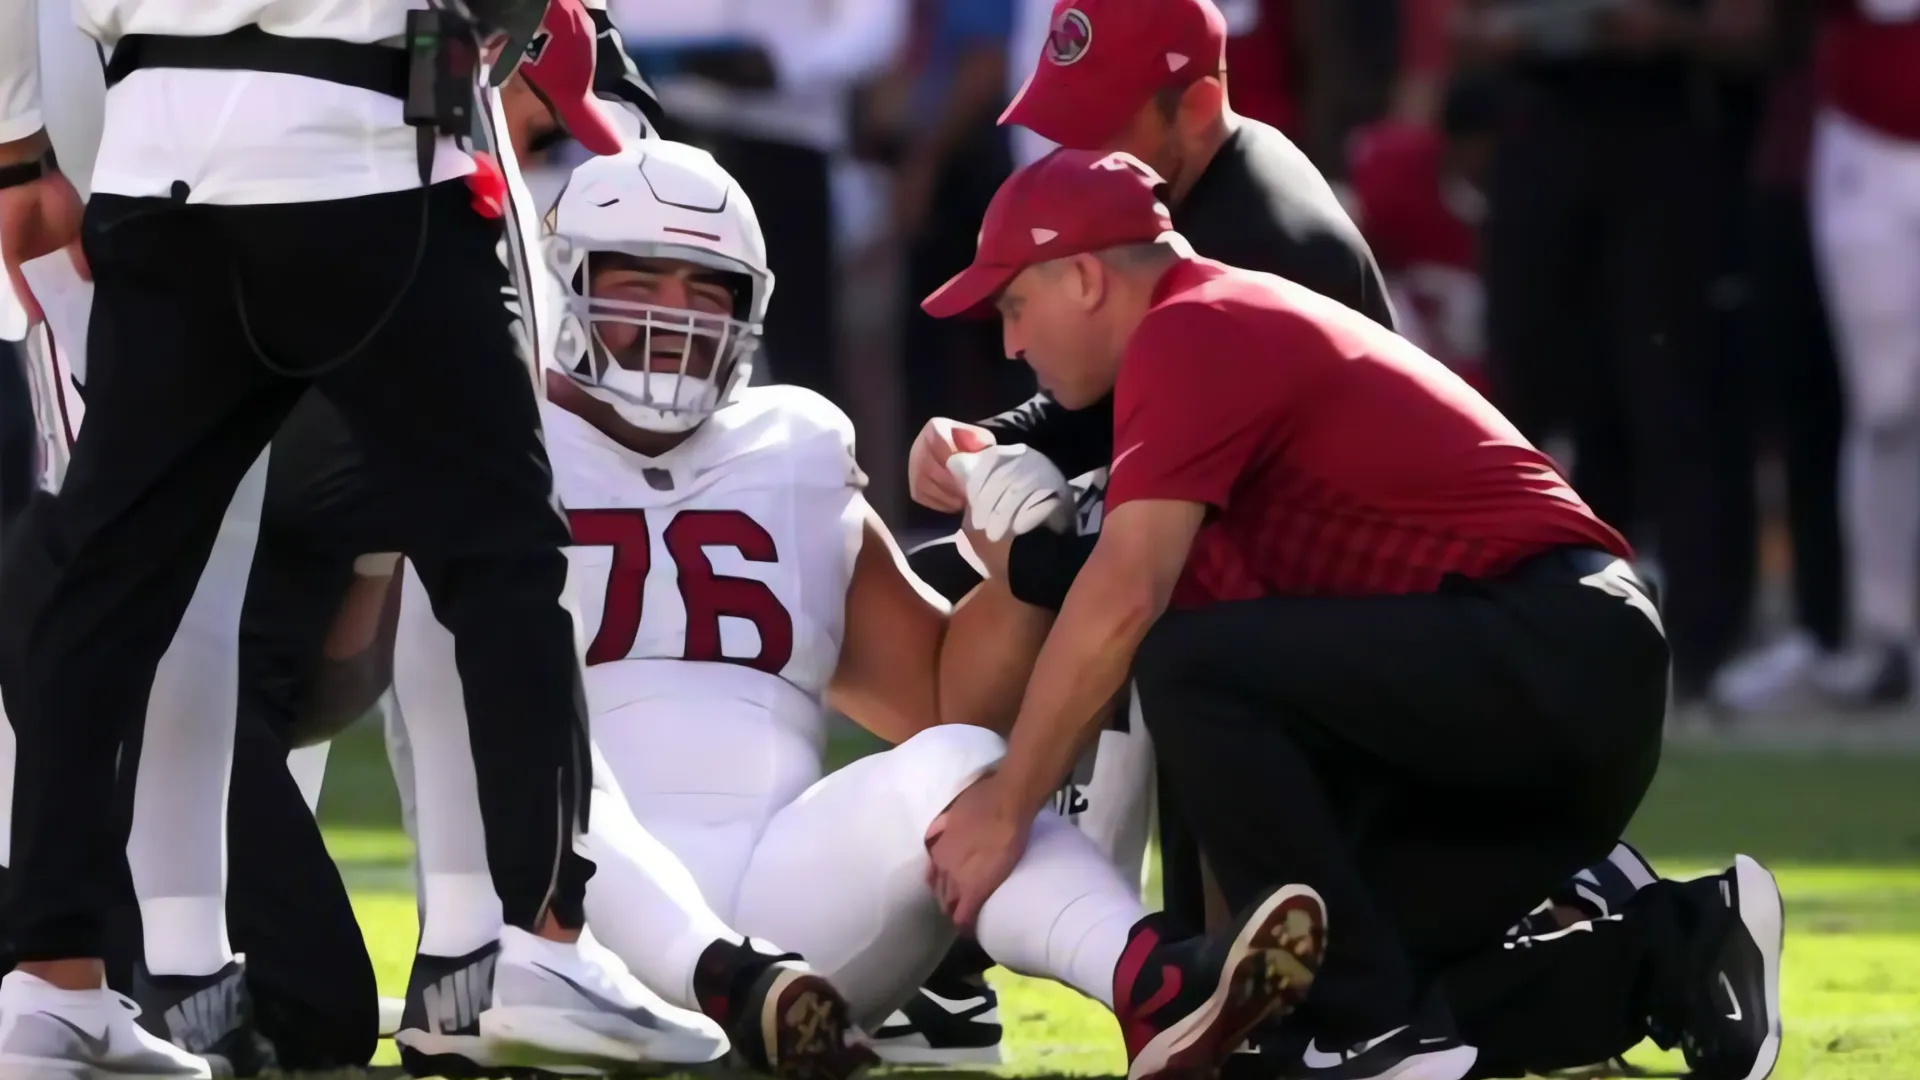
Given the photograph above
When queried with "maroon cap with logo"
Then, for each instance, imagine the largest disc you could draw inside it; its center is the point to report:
(1105, 59)
(559, 67)
(1067, 203)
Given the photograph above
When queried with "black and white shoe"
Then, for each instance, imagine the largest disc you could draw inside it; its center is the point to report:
(208, 1015)
(951, 1021)
(1600, 890)
(1405, 1053)
(1731, 1025)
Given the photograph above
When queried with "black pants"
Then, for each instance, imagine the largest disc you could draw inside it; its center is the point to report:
(1800, 403)
(792, 193)
(17, 439)
(1598, 255)
(1435, 765)
(308, 969)
(179, 405)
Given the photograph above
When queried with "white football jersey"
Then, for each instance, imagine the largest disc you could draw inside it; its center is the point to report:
(729, 557)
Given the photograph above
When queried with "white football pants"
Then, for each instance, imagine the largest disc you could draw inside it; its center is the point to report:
(836, 874)
(1866, 225)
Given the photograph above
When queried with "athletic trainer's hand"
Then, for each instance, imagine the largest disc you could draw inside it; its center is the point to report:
(972, 848)
(928, 480)
(37, 219)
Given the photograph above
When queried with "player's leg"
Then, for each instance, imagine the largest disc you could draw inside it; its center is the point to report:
(676, 818)
(190, 986)
(481, 993)
(1864, 221)
(842, 875)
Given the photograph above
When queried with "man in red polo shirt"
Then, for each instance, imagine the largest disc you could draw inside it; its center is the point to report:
(1380, 644)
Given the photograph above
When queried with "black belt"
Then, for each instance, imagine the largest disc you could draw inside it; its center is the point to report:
(379, 68)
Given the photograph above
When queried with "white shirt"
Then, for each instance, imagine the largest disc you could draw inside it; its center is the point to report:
(821, 50)
(232, 137)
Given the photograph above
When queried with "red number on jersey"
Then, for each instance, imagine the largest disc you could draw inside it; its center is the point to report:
(708, 596)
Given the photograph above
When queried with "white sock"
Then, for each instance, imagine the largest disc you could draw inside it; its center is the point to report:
(185, 935)
(309, 768)
(1064, 913)
(461, 910)
(177, 849)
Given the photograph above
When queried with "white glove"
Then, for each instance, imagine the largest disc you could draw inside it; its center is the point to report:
(1013, 490)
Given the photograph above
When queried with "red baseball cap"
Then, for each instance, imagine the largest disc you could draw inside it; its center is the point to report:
(1067, 203)
(1105, 59)
(559, 66)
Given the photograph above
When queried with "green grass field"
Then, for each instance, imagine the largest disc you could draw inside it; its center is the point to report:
(1842, 832)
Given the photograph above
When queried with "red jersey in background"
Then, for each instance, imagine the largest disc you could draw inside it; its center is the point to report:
(1868, 63)
(1259, 71)
(1422, 229)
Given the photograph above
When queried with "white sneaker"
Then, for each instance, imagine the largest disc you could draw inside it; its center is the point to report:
(47, 1033)
(556, 1004)
(1770, 677)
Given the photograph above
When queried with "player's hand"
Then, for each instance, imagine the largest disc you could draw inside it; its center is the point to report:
(972, 847)
(1012, 490)
(928, 480)
(39, 219)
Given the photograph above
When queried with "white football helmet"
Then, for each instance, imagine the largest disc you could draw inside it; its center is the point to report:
(658, 200)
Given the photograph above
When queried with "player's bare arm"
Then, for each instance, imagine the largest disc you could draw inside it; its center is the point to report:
(888, 677)
(992, 642)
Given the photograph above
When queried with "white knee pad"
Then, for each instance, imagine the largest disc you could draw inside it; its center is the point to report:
(839, 875)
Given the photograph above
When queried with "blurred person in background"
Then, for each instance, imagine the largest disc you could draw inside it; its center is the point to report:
(768, 87)
(1418, 194)
(1866, 226)
(1798, 406)
(951, 158)
(1599, 251)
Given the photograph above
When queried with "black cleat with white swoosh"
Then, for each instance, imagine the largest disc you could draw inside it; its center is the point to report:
(1731, 1018)
(953, 1020)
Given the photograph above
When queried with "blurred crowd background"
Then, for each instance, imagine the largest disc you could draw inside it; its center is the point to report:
(1596, 210)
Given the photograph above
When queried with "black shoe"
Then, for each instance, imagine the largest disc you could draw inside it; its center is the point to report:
(953, 1020)
(440, 1026)
(209, 1015)
(1730, 1019)
(1184, 1007)
(783, 1018)
(1600, 890)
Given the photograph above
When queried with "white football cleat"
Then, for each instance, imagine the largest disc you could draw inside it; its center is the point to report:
(47, 1033)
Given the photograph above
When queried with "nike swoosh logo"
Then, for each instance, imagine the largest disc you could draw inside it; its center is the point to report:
(1733, 999)
(949, 1004)
(1314, 1058)
(95, 1044)
(1122, 456)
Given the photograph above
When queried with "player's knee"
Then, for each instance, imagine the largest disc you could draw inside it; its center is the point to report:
(931, 769)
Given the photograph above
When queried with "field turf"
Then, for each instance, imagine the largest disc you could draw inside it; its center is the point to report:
(1841, 830)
